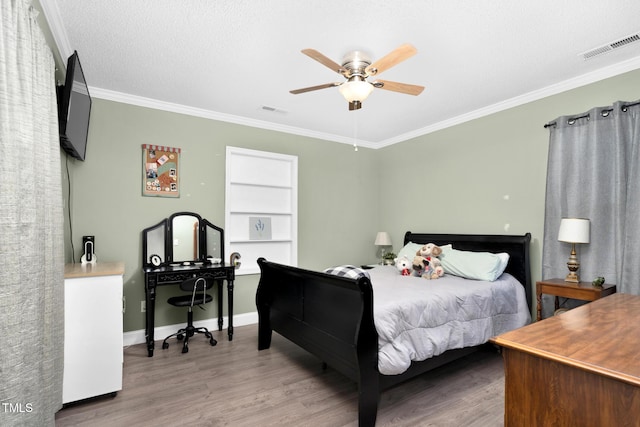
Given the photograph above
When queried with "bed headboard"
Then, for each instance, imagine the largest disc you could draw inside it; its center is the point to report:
(516, 246)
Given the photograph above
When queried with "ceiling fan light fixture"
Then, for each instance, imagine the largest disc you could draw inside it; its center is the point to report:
(356, 67)
(356, 89)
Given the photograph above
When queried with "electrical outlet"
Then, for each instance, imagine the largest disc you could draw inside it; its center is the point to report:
(143, 306)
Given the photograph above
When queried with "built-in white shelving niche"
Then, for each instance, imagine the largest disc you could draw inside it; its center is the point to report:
(261, 207)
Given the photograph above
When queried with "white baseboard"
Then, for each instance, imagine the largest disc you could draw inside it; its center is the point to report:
(160, 332)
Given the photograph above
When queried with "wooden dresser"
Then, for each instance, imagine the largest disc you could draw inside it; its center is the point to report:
(581, 368)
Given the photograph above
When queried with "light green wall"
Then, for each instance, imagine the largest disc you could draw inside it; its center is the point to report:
(337, 204)
(453, 180)
(458, 179)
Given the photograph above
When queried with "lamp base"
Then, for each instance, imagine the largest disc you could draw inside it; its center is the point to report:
(572, 277)
(573, 265)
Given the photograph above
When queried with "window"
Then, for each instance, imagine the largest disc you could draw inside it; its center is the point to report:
(261, 207)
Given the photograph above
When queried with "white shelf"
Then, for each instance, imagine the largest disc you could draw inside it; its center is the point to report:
(258, 184)
(262, 213)
(265, 185)
(260, 241)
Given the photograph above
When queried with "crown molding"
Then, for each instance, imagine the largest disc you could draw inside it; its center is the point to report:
(54, 20)
(583, 80)
(566, 85)
(52, 15)
(214, 115)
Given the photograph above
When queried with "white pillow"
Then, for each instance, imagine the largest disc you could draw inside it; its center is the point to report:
(474, 265)
(504, 260)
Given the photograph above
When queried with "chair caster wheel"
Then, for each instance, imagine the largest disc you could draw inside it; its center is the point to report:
(213, 342)
(180, 337)
(165, 345)
(185, 349)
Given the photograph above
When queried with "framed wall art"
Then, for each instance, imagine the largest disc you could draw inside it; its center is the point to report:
(160, 171)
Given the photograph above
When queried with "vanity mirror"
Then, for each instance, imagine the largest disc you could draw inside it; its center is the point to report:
(154, 244)
(185, 230)
(213, 244)
(184, 238)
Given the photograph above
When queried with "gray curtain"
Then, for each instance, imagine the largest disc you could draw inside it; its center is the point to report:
(31, 225)
(594, 172)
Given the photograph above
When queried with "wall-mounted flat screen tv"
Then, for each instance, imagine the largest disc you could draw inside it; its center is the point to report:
(74, 110)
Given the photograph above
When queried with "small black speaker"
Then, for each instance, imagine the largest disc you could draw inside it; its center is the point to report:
(88, 245)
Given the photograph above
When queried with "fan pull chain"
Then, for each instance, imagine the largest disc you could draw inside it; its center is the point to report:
(355, 130)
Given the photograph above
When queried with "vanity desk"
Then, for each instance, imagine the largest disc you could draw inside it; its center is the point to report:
(180, 247)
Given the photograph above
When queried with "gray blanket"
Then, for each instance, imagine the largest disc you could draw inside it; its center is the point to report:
(417, 318)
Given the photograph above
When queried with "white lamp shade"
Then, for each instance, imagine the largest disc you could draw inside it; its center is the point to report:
(355, 90)
(383, 239)
(574, 230)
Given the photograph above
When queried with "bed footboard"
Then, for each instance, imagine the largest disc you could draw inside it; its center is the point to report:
(327, 315)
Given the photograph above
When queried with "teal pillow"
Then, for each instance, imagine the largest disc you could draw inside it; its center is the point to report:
(473, 265)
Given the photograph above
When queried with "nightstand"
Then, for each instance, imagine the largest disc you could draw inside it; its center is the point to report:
(584, 291)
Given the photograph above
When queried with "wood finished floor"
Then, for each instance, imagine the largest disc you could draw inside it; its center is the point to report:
(233, 384)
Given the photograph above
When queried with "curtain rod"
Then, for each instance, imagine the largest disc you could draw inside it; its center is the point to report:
(604, 113)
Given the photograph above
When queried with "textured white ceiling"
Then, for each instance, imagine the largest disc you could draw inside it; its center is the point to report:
(226, 59)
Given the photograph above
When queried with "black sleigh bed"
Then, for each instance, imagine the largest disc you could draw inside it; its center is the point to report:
(332, 317)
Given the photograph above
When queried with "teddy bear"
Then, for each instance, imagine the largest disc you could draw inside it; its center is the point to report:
(422, 267)
(403, 265)
(431, 252)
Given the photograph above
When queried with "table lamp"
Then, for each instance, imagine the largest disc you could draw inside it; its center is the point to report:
(382, 239)
(574, 230)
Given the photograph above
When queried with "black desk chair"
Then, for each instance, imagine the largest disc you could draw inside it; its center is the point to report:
(197, 288)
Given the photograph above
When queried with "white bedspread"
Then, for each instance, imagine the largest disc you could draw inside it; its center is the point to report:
(418, 318)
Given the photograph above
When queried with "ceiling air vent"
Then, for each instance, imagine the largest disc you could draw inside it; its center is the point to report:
(611, 46)
(273, 109)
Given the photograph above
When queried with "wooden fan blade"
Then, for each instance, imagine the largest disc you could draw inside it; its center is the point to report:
(309, 89)
(399, 87)
(314, 54)
(395, 57)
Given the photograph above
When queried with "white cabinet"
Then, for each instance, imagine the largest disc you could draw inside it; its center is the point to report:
(93, 343)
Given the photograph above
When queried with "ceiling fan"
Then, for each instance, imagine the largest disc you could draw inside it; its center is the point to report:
(356, 68)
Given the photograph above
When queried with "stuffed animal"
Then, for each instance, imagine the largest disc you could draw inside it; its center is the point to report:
(403, 265)
(437, 272)
(424, 268)
(431, 252)
(419, 265)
